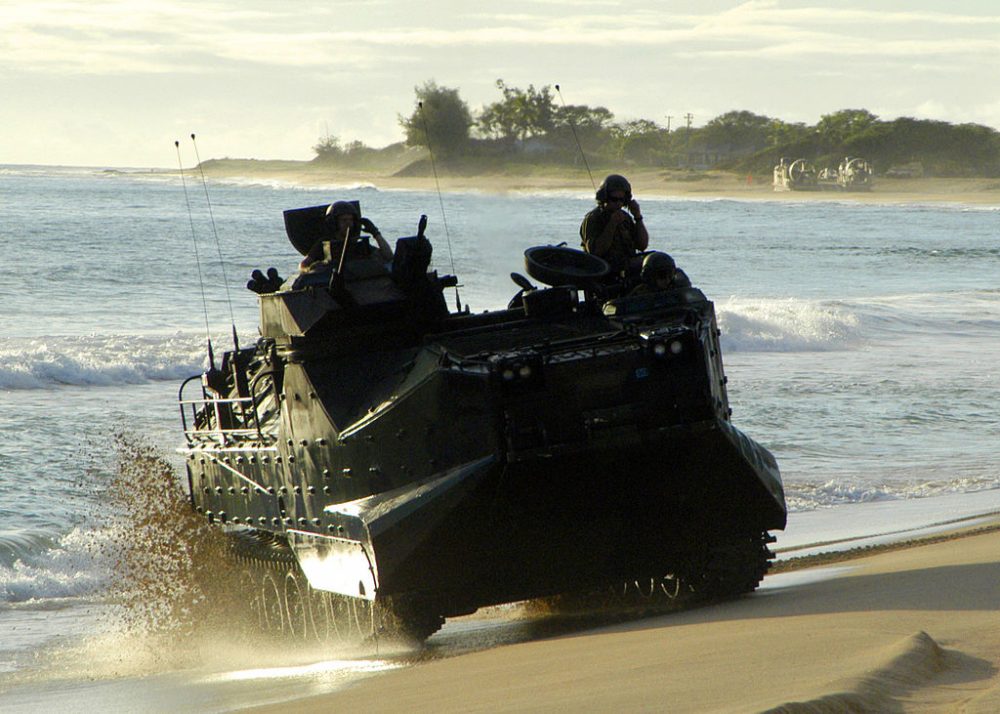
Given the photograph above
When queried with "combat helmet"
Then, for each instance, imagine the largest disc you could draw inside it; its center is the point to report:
(614, 182)
(344, 208)
(339, 208)
(657, 267)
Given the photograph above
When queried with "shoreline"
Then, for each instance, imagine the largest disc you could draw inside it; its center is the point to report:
(912, 628)
(647, 183)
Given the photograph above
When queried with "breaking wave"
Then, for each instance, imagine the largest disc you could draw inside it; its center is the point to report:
(800, 325)
(40, 565)
(98, 360)
(251, 181)
(768, 325)
(806, 496)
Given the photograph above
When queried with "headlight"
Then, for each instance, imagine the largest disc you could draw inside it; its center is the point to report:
(518, 370)
(671, 344)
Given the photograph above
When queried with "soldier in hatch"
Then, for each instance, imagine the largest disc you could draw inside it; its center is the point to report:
(345, 224)
(659, 273)
(614, 229)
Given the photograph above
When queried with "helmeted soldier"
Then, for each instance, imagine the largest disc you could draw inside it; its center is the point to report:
(660, 272)
(614, 230)
(345, 223)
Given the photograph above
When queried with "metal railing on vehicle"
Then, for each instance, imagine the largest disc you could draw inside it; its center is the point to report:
(220, 409)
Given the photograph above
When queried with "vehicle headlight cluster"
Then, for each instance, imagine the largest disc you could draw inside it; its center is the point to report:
(518, 369)
(513, 371)
(668, 345)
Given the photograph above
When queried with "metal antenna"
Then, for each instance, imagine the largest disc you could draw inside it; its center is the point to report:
(437, 184)
(218, 246)
(197, 257)
(579, 146)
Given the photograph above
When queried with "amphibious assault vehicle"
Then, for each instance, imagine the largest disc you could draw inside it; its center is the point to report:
(383, 462)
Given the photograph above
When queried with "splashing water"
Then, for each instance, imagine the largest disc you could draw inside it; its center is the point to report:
(171, 569)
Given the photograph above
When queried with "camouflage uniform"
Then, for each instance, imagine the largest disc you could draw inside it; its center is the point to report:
(616, 245)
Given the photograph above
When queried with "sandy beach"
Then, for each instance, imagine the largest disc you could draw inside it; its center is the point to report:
(645, 182)
(911, 630)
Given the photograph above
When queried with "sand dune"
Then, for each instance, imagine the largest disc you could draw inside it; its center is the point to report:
(914, 630)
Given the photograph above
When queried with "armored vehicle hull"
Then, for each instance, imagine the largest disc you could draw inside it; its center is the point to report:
(393, 456)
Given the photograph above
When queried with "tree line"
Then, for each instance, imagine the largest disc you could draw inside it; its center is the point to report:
(527, 126)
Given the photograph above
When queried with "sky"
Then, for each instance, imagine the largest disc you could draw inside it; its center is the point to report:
(92, 83)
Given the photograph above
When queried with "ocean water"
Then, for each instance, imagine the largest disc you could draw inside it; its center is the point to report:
(860, 341)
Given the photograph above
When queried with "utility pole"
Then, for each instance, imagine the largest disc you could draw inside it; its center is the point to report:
(687, 139)
(669, 117)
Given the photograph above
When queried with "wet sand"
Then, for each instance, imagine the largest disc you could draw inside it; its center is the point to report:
(915, 630)
(645, 182)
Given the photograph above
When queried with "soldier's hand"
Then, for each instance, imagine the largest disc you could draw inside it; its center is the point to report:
(369, 226)
(633, 208)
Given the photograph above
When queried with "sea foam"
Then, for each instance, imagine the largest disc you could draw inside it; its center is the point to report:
(806, 496)
(98, 360)
(77, 564)
(786, 325)
(806, 325)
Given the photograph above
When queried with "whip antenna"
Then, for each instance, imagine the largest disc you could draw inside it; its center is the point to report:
(197, 257)
(577, 138)
(218, 246)
(444, 220)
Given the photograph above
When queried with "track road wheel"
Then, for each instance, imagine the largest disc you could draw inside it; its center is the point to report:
(324, 623)
(270, 604)
(283, 604)
(730, 568)
(297, 612)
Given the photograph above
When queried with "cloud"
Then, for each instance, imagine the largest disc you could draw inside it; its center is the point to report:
(272, 64)
(930, 110)
(773, 12)
(987, 114)
(841, 49)
(134, 36)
